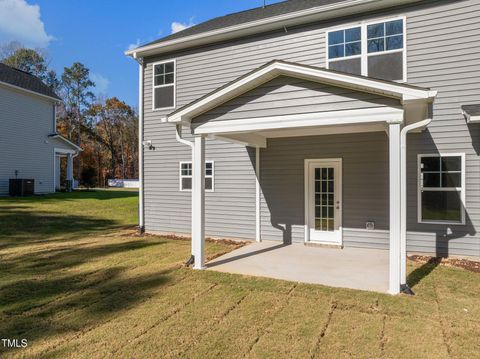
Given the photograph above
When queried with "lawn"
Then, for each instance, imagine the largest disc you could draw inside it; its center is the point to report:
(76, 281)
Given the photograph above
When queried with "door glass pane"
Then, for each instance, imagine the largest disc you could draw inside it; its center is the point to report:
(324, 199)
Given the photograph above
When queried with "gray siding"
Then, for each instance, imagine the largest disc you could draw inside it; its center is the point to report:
(442, 53)
(25, 122)
(288, 96)
(365, 191)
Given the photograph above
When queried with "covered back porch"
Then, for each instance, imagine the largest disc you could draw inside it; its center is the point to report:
(285, 101)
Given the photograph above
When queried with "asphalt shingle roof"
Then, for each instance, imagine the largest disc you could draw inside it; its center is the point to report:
(472, 110)
(25, 80)
(246, 16)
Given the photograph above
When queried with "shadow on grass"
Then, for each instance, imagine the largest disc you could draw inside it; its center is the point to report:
(76, 195)
(25, 225)
(71, 304)
(420, 273)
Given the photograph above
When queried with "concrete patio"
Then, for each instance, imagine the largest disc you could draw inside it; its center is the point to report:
(364, 269)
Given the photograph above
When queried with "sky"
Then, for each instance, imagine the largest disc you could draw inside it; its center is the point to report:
(97, 32)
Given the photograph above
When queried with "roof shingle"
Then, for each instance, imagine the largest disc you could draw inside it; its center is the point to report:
(25, 80)
(281, 8)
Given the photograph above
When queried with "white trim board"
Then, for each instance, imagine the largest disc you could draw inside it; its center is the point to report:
(347, 117)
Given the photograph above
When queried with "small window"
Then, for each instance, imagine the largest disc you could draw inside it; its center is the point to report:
(441, 188)
(186, 176)
(164, 85)
(344, 43)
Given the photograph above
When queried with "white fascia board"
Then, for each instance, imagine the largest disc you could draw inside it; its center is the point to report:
(53, 99)
(370, 115)
(60, 137)
(318, 75)
(470, 118)
(318, 13)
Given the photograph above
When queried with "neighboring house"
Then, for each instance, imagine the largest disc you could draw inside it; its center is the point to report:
(30, 148)
(298, 114)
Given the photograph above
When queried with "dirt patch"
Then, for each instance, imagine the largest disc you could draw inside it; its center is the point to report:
(472, 266)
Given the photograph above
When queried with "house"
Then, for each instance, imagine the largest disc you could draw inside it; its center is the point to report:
(340, 122)
(30, 148)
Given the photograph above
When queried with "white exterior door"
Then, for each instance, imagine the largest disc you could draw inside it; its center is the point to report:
(323, 202)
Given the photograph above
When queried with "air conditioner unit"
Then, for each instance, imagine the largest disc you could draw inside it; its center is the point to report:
(21, 187)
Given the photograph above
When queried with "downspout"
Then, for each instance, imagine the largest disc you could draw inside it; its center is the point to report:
(141, 205)
(178, 136)
(403, 203)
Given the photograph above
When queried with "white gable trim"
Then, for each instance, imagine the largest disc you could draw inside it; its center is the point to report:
(278, 68)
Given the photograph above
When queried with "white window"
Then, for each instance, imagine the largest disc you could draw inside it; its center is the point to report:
(186, 176)
(164, 85)
(441, 188)
(374, 49)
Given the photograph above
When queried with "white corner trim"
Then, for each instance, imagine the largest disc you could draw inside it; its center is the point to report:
(359, 116)
(277, 68)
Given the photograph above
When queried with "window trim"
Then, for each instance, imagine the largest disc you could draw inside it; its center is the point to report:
(165, 85)
(461, 189)
(364, 44)
(180, 176)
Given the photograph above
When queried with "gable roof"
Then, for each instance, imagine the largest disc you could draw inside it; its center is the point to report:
(254, 21)
(280, 8)
(471, 113)
(275, 68)
(26, 81)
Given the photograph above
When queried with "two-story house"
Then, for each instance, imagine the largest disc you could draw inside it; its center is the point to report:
(30, 147)
(349, 123)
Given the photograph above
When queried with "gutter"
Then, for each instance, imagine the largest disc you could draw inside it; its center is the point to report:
(403, 201)
(178, 136)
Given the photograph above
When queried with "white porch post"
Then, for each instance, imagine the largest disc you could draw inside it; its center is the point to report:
(70, 169)
(395, 198)
(258, 232)
(198, 203)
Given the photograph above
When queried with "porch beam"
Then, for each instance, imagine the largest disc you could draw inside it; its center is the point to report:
(244, 139)
(395, 204)
(198, 203)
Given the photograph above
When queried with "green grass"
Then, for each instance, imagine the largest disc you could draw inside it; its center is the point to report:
(76, 282)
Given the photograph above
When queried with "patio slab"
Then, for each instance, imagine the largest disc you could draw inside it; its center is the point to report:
(355, 268)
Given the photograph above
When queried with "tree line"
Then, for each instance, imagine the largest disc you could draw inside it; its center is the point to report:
(105, 128)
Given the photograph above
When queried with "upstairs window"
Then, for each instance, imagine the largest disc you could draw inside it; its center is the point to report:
(441, 189)
(374, 49)
(186, 175)
(344, 43)
(164, 85)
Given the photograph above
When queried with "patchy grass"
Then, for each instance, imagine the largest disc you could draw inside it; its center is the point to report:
(75, 282)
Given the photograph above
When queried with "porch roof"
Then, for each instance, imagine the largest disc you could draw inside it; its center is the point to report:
(403, 92)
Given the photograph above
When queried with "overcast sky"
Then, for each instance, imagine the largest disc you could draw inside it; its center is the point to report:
(97, 32)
